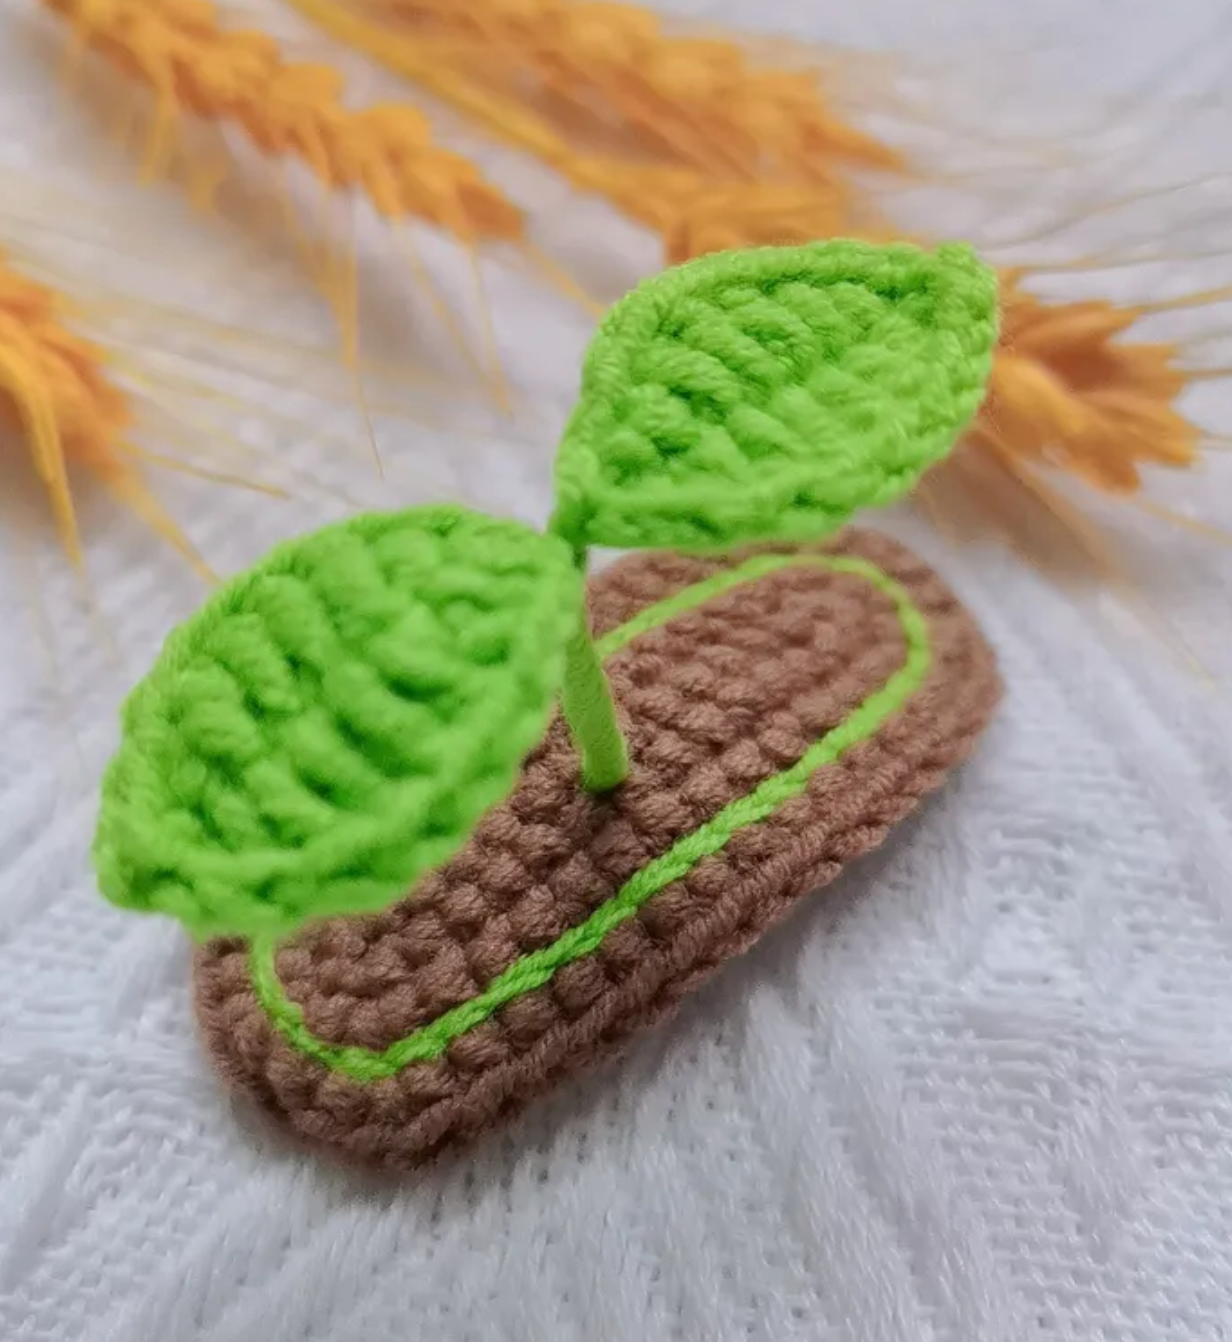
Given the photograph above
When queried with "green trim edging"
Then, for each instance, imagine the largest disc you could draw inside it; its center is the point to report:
(537, 968)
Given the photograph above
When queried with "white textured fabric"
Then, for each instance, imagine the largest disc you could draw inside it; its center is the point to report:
(980, 1091)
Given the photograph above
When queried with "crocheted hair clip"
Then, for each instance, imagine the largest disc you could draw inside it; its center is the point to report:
(371, 710)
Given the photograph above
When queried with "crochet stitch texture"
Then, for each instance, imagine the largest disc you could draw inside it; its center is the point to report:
(773, 392)
(336, 720)
(569, 921)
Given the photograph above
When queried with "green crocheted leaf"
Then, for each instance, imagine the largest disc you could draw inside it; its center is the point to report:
(335, 721)
(769, 394)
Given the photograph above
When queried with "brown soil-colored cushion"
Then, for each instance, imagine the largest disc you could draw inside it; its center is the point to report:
(715, 702)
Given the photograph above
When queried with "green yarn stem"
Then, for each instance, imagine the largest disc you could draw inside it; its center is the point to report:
(586, 698)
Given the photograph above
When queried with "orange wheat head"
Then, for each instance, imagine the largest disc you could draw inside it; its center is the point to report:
(610, 72)
(1074, 396)
(194, 67)
(1070, 390)
(686, 196)
(58, 396)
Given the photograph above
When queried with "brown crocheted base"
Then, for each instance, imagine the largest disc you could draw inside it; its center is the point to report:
(715, 702)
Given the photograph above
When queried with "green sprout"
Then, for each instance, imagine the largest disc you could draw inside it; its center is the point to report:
(335, 722)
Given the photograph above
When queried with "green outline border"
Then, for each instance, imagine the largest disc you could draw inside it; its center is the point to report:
(537, 968)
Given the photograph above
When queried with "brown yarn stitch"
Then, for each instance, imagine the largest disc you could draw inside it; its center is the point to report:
(714, 702)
